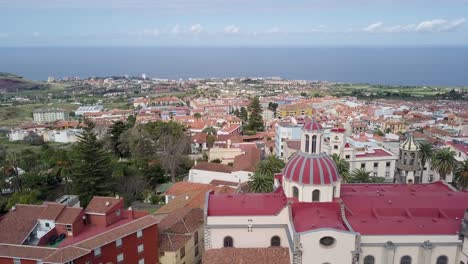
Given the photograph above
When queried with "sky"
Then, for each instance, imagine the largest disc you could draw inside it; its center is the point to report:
(233, 22)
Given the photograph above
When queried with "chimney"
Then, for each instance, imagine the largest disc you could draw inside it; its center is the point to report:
(13, 208)
(117, 197)
(107, 203)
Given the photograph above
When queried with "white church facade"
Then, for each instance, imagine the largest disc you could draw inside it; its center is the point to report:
(322, 221)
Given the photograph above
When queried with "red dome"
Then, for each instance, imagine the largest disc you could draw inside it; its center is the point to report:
(312, 126)
(311, 169)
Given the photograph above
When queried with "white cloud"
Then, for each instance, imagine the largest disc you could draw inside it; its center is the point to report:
(373, 27)
(175, 30)
(197, 28)
(232, 29)
(434, 25)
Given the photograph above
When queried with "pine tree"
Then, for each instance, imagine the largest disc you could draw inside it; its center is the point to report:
(255, 118)
(92, 170)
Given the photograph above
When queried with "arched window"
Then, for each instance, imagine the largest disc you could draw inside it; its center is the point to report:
(316, 196)
(334, 191)
(295, 192)
(369, 259)
(228, 242)
(275, 241)
(307, 143)
(405, 260)
(442, 260)
(314, 144)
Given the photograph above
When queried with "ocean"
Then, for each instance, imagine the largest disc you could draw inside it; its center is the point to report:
(436, 66)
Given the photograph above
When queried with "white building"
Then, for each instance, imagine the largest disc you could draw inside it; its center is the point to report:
(88, 109)
(285, 131)
(49, 115)
(320, 220)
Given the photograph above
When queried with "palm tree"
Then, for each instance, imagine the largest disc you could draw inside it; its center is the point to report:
(360, 176)
(270, 166)
(343, 167)
(461, 175)
(426, 150)
(444, 162)
(11, 168)
(261, 183)
(63, 169)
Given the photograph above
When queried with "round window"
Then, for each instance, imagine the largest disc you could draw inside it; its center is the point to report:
(327, 241)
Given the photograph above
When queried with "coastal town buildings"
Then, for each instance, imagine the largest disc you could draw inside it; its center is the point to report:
(315, 218)
(49, 115)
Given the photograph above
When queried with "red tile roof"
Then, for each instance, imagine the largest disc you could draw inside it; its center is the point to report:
(101, 205)
(318, 169)
(309, 216)
(273, 255)
(209, 166)
(419, 209)
(245, 204)
(18, 223)
(375, 153)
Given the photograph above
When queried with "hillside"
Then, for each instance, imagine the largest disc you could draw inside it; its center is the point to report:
(10, 83)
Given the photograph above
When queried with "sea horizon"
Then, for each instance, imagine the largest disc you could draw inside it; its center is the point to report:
(425, 65)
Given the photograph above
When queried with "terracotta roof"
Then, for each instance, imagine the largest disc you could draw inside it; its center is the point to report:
(245, 204)
(18, 223)
(199, 138)
(101, 205)
(26, 252)
(66, 254)
(172, 242)
(119, 232)
(224, 183)
(293, 144)
(179, 188)
(182, 221)
(52, 211)
(69, 215)
(208, 166)
(273, 255)
(247, 161)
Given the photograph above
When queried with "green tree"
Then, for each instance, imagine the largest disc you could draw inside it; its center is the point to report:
(255, 119)
(63, 169)
(243, 114)
(216, 161)
(92, 170)
(426, 150)
(24, 197)
(363, 176)
(197, 115)
(261, 183)
(209, 130)
(444, 162)
(11, 169)
(343, 167)
(115, 135)
(461, 175)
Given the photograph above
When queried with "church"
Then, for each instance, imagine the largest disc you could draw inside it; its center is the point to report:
(318, 219)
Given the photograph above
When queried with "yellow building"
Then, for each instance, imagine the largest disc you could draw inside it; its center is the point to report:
(394, 126)
(294, 110)
(181, 237)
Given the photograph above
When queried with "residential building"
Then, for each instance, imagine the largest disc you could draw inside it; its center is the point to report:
(285, 131)
(294, 110)
(318, 219)
(54, 233)
(49, 115)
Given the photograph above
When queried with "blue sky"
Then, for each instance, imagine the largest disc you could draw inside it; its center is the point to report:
(232, 22)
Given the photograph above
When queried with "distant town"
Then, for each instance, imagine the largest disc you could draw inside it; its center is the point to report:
(126, 169)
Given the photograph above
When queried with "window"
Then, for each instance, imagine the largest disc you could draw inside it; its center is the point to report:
(16, 261)
(182, 252)
(314, 144)
(376, 164)
(47, 225)
(387, 174)
(369, 259)
(275, 241)
(120, 258)
(141, 261)
(195, 237)
(141, 248)
(307, 143)
(118, 242)
(196, 251)
(69, 228)
(363, 165)
(387, 164)
(295, 191)
(316, 196)
(117, 213)
(97, 252)
(334, 191)
(442, 260)
(347, 157)
(228, 242)
(375, 174)
(327, 241)
(335, 147)
(139, 233)
(405, 260)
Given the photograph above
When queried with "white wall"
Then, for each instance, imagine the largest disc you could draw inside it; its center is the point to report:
(305, 191)
(338, 253)
(202, 176)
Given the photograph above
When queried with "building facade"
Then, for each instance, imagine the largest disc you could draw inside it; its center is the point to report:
(49, 115)
(284, 132)
(320, 220)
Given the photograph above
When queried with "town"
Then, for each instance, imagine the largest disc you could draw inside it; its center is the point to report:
(126, 169)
